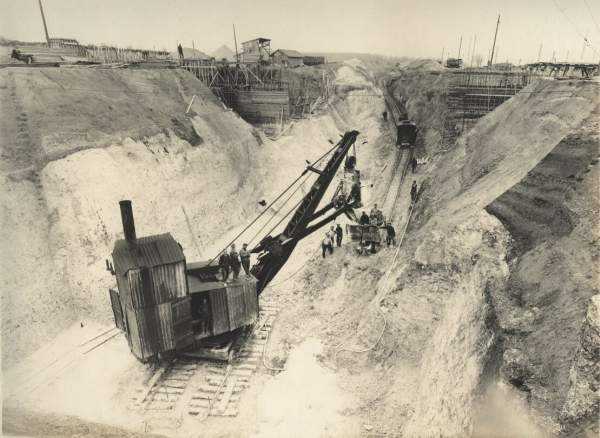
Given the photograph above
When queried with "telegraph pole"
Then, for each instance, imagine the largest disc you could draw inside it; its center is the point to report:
(237, 57)
(473, 51)
(44, 21)
(494, 44)
(459, 47)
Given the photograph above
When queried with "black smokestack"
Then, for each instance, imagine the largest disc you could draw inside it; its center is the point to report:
(127, 219)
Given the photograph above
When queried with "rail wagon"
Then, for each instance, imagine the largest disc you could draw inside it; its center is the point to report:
(368, 236)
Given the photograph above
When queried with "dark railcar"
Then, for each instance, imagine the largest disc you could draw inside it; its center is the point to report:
(406, 134)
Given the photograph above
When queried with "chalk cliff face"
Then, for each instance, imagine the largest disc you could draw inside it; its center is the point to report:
(580, 410)
(532, 163)
(552, 215)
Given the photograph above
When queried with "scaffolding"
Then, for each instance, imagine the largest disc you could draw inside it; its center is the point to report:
(471, 94)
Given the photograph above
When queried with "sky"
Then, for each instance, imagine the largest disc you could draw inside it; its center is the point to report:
(415, 28)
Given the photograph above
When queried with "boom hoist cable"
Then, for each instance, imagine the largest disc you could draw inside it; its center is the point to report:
(251, 241)
(272, 203)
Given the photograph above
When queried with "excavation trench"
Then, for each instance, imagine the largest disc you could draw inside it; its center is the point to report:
(407, 341)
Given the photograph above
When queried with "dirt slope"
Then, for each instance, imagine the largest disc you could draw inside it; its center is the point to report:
(552, 215)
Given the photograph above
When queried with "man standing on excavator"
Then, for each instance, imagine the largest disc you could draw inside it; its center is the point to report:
(224, 265)
(245, 258)
(234, 262)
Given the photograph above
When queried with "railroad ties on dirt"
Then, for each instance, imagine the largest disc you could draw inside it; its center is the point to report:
(202, 388)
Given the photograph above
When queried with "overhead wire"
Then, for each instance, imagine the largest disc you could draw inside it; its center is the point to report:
(592, 15)
(250, 242)
(270, 205)
(257, 218)
(586, 41)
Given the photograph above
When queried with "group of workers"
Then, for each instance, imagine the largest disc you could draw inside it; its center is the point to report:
(334, 234)
(232, 261)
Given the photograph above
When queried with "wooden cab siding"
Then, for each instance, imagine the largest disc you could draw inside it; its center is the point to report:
(157, 285)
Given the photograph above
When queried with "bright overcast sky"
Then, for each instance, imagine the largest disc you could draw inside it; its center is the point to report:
(417, 28)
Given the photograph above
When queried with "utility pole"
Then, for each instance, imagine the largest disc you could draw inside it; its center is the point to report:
(494, 44)
(459, 47)
(540, 52)
(468, 51)
(44, 21)
(473, 51)
(193, 46)
(442, 60)
(237, 56)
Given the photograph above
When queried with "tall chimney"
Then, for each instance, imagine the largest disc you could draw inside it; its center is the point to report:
(127, 219)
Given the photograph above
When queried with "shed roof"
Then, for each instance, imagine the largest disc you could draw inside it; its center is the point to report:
(290, 53)
(259, 39)
(149, 251)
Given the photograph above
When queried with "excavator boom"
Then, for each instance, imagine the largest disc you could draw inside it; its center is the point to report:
(275, 251)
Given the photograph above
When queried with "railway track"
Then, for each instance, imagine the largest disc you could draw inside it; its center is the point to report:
(32, 378)
(201, 388)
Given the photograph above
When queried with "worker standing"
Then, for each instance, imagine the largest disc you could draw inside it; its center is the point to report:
(391, 234)
(234, 262)
(180, 51)
(339, 233)
(245, 258)
(224, 265)
(327, 245)
(376, 216)
(364, 218)
(331, 234)
(414, 192)
(413, 164)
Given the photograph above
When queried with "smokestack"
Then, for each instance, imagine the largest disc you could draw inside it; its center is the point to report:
(127, 219)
